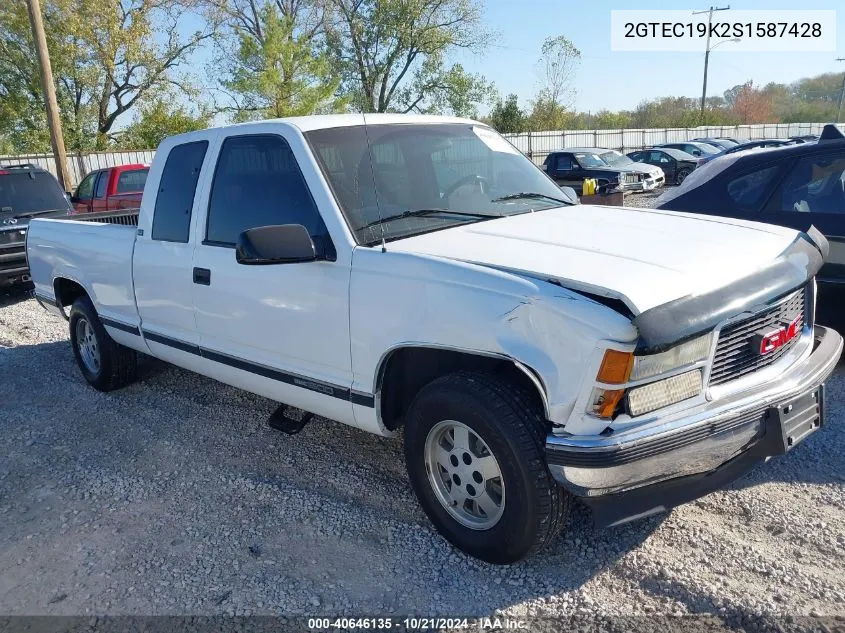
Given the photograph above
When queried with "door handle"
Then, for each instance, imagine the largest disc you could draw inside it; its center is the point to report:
(202, 276)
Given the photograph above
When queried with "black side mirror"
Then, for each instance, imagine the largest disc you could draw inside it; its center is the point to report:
(276, 244)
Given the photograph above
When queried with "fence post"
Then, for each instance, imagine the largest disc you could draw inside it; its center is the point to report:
(530, 147)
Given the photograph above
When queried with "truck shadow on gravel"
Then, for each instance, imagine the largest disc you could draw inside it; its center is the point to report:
(183, 480)
(11, 296)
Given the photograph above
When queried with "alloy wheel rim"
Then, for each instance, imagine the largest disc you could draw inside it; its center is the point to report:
(465, 475)
(89, 350)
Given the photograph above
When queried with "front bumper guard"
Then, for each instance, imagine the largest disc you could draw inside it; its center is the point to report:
(639, 472)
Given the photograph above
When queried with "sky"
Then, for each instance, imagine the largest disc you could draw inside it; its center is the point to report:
(620, 80)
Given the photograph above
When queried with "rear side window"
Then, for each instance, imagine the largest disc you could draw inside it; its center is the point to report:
(175, 196)
(747, 190)
(257, 182)
(563, 162)
(102, 181)
(132, 181)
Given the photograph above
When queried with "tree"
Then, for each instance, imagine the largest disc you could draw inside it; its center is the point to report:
(559, 62)
(279, 65)
(749, 104)
(108, 57)
(158, 120)
(392, 53)
(507, 117)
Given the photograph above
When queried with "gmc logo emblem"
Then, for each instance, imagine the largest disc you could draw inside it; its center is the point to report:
(765, 342)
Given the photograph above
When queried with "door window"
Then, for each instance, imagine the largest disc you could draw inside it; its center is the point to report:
(175, 196)
(85, 190)
(102, 181)
(815, 185)
(257, 182)
(659, 158)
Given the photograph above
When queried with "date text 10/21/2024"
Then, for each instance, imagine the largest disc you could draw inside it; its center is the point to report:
(417, 624)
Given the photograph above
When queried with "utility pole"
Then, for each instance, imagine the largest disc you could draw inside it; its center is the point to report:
(710, 13)
(841, 93)
(53, 120)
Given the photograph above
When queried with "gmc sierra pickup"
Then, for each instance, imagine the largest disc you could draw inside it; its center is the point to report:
(419, 274)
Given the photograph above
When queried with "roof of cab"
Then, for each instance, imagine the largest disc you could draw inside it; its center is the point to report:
(324, 121)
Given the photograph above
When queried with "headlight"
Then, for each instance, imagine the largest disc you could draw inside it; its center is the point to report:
(698, 349)
(664, 392)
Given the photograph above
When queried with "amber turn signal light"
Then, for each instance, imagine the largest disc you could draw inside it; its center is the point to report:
(615, 367)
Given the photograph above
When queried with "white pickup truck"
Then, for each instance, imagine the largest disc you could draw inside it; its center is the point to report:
(419, 274)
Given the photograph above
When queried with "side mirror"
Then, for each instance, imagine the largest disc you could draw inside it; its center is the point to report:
(276, 244)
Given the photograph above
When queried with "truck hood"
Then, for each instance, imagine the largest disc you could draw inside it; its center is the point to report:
(643, 257)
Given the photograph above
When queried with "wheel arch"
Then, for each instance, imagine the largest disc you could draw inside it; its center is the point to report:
(67, 290)
(395, 388)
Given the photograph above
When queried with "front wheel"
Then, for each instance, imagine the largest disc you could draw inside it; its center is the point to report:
(474, 453)
(682, 175)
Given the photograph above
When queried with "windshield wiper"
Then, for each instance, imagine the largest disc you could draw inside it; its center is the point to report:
(423, 212)
(30, 214)
(529, 194)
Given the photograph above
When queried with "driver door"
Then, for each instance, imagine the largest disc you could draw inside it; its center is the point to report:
(280, 330)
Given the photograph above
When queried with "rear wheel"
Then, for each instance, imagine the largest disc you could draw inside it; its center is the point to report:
(682, 175)
(105, 364)
(474, 448)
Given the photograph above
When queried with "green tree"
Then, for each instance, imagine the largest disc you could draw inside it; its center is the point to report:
(279, 65)
(158, 120)
(392, 54)
(108, 56)
(507, 117)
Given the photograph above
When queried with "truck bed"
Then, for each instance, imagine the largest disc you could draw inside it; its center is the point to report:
(95, 252)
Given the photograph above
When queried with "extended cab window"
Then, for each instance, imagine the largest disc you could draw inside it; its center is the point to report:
(132, 180)
(257, 182)
(175, 197)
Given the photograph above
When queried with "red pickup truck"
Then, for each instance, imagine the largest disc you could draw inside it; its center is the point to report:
(110, 189)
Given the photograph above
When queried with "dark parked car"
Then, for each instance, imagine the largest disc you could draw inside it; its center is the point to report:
(571, 166)
(767, 142)
(693, 148)
(677, 165)
(26, 191)
(795, 186)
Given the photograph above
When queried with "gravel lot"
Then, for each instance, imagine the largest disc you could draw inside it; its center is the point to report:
(173, 496)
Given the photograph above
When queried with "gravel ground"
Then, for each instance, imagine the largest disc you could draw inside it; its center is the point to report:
(173, 496)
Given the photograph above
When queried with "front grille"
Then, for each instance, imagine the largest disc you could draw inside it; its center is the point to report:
(10, 237)
(735, 356)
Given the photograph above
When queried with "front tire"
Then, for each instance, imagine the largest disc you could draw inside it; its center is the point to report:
(474, 449)
(682, 176)
(105, 364)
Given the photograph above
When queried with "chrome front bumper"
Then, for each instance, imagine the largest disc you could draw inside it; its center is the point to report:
(713, 435)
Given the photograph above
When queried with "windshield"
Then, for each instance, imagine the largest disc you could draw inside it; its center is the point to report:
(25, 191)
(588, 160)
(707, 149)
(424, 177)
(616, 159)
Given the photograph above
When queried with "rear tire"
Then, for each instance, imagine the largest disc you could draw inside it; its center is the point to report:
(490, 492)
(105, 364)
